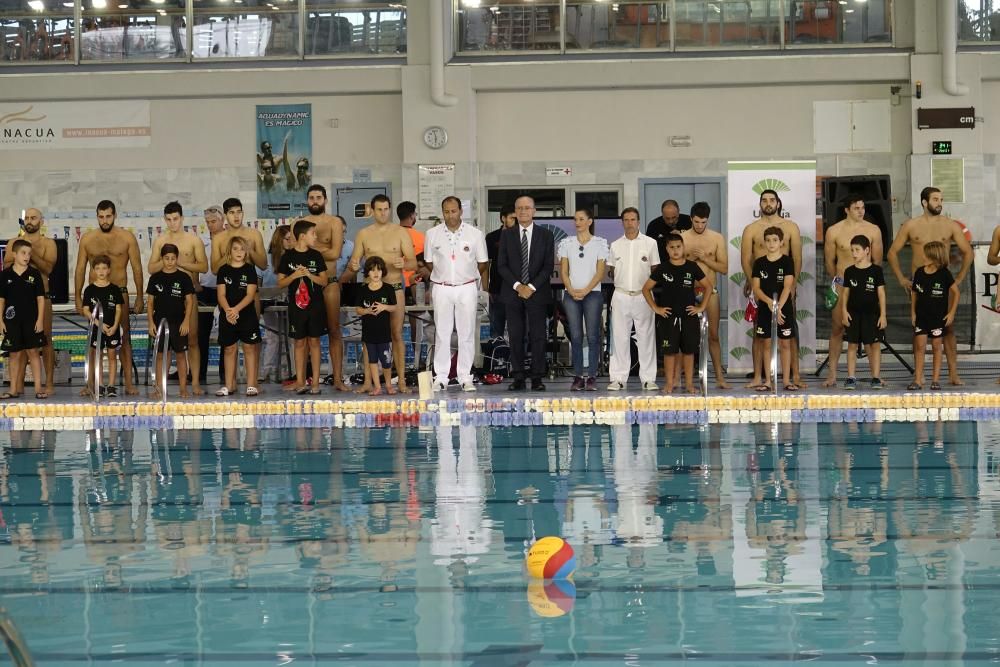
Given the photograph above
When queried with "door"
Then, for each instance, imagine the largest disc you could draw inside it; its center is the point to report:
(352, 203)
(686, 191)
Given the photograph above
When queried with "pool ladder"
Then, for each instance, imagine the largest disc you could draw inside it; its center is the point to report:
(160, 378)
(92, 362)
(14, 642)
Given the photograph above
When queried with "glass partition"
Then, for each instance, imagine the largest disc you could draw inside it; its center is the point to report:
(36, 31)
(979, 20)
(596, 25)
(339, 26)
(248, 29)
(115, 30)
(508, 25)
(852, 22)
(728, 23)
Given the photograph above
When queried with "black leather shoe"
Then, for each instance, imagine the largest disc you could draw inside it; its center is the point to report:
(516, 385)
(537, 385)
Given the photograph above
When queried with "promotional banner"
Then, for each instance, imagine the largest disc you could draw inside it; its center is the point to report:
(284, 159)
(795, 183)
(47, 125)
(987, 301)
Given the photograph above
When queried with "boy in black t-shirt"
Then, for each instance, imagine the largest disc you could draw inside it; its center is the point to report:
(109, 297)
(170, 296)
(774, 274)
(375, 301)
(303, 271)
(22, 302)
(678, 329)
(236, 291)
(933, 302)
(863, 299)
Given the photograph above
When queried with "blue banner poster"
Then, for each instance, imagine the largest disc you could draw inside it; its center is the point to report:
(284, 159)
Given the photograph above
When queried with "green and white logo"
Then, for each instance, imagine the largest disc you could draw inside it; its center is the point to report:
(770, 184)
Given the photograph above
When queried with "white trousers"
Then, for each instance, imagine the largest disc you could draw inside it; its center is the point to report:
(626, 310)
(454, 310)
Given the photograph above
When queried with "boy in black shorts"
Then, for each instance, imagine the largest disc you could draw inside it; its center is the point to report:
(170, 295)
(236, 292)
(863, 299)
(22, 302)
(375, 301)
(933, 302)
(109, 297)
(774, 274)
(678, 329)
(303, 271)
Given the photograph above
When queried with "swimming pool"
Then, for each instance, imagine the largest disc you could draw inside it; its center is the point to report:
(729, 544)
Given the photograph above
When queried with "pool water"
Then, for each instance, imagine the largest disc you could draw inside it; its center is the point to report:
(736, 544)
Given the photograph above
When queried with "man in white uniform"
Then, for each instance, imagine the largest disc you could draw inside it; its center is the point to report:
(455, 254)
(631, 260)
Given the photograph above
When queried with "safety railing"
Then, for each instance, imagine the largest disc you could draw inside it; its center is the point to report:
(12, 639)
(774, 343)
(160, 376)
(92, 362)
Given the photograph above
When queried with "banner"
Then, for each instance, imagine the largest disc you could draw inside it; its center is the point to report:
(795, 183)
(284, 160)
(47, 125)
(987, 301)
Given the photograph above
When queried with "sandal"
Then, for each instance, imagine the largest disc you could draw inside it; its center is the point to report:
(914, 386)
(252, 391)
(223, 392)
(302, 391)
(762, 387)
(935, 386)
(7, 396)
(791, 387)
(41, 396)
(315, 392)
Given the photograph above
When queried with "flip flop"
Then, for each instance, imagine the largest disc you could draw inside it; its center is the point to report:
(41, 396)
(302, 391)
(762, 387)
(935, 386)
(7, 396)
(791, 387)
(913, 386)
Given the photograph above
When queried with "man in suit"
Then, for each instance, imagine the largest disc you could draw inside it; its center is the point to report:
(526, 261)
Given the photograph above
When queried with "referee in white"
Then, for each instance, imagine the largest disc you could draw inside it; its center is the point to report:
(632, 258)
(455, 254)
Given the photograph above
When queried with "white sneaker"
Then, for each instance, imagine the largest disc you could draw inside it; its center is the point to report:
(468, 386)
(439, 386)
(649, 386)
(616, 386)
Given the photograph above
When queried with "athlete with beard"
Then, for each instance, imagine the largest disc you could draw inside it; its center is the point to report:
(123, 250)
(752, 248)
(918, 232)
(43, 258)
(330, 243)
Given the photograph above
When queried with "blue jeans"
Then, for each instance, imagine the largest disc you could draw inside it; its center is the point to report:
(588, 309)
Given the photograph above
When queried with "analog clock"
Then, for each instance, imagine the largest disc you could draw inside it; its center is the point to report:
(435, 137)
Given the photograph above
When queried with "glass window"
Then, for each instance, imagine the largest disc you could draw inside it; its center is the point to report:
(595, 24)
(728, 23)
(133, 30)
(342, 26)
(36, 30)
(851, 22)
(245, 29)
(508, 25)
(979, 21)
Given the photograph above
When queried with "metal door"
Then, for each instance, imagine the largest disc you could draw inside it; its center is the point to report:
(687, 191)
(352, 203)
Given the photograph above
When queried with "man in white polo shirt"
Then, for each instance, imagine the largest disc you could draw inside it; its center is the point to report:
(631, 259)
(455, 254)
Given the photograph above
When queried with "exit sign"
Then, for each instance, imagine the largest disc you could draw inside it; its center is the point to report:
(941, 148)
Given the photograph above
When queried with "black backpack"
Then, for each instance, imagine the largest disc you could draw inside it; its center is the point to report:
(496, 356)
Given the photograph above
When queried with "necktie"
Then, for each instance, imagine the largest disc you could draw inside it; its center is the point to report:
(525, 274)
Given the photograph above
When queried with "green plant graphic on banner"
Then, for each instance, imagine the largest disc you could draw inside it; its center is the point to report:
(738, 278)
(803, 277)
(806, 240)
(736, 316)
(804, 352)
(736, 241)
(739, 352)
(770, 184)
(802, 315)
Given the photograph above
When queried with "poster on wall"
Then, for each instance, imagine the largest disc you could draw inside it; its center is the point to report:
(434, 183)
(62, 125)
(795, 183)
(284, 159)
(987, 301)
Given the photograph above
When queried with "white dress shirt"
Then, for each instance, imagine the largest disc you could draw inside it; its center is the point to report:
(632, 260)
(455, 255)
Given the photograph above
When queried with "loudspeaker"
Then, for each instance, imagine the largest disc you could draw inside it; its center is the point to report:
(877, 193)
(59, 278)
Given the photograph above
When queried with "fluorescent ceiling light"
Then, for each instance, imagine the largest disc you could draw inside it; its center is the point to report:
(37, 5)
(98, 4)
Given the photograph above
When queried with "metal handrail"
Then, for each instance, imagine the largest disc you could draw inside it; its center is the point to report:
(14, 641)
(774, 343)
(162, 333)
(92, 363)
(703, 361)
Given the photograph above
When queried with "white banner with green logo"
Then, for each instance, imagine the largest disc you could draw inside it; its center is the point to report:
(987, 301)
(795, 183)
